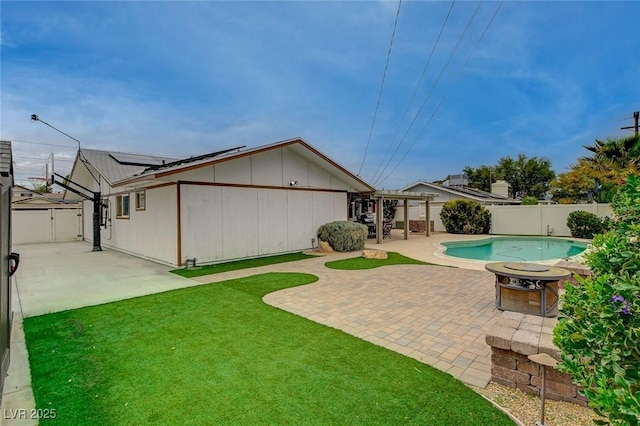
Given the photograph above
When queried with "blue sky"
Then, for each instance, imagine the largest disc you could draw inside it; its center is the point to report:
(187, 78)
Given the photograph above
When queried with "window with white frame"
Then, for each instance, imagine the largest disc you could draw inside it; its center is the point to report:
(141, 202)
(122, 206)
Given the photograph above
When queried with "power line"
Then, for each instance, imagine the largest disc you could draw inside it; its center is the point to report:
(415, 140)
(482, 36)
(415, 91)
(484, 32)
(434, 85)
(41, 143)
(384, 74)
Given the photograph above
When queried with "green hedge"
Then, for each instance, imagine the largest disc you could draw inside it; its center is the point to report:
(465, 217)
(584, 224)
(343, 235)
(598, 330)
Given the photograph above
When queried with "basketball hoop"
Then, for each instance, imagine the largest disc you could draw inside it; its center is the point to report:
(38, 182)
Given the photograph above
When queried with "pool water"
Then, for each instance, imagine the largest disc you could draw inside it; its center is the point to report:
(515, 248)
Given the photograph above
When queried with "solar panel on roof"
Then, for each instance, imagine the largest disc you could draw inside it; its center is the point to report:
(136, 159)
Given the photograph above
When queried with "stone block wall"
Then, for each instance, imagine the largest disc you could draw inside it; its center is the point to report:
(574, 268)
(514, 337)
(417, 226)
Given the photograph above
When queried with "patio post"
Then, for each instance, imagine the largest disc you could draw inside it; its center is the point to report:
(427, 218)
(379, 216)
(406, 218)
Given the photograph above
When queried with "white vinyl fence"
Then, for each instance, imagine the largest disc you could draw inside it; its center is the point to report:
(46, 225)
(541, 219)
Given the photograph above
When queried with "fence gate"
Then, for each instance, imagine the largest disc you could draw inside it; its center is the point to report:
(53, 225)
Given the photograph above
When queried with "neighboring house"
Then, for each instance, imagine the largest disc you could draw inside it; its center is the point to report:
(25, 198)
(447, 192)
(451, 190)
(44, 217)
(231, 204)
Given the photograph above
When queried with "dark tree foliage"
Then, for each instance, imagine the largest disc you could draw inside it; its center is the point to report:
(389, 209)
(526, 176)
(480, 178)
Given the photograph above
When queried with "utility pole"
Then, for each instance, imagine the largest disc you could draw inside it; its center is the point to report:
(636, 115)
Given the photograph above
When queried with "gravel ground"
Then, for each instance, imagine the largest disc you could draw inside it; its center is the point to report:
(526, 408)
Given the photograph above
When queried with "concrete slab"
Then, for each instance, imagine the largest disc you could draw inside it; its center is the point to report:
(62, 276)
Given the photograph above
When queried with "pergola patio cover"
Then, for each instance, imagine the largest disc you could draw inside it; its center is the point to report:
(380, 196)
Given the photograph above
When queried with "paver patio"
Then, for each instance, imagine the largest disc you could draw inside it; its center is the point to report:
(435, 314)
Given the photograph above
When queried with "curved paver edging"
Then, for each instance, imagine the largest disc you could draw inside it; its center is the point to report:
(434, 314)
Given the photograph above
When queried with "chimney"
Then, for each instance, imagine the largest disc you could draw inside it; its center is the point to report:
(501, 188)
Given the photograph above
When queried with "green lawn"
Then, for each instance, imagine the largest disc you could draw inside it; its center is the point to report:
(393, 258)
(240, 264)
(216, 354)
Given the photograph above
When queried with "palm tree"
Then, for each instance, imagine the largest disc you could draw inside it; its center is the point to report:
(619, 156)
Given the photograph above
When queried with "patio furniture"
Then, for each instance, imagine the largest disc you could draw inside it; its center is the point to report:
(369, 220)
(527, 288)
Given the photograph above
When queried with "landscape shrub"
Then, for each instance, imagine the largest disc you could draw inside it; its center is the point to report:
(598, 331)
(465, 217)
(529, 201)
(343, 236)
(584, 224)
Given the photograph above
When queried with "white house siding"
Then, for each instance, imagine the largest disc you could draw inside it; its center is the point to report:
(277, 167)
(294, 168)
(240, 217)
(266, 168)
(150, 233)
(264, 203)
(220, 223)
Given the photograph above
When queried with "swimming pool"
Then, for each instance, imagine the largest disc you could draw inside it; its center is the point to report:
(515, 248)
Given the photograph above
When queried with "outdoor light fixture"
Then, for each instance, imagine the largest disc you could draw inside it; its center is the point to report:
(293, 183)
(34, 117)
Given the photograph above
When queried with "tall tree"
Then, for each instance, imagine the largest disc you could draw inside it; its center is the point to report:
(480, 178)
(526, 176)
(616, 158)
(578, 185)
(597, 176)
